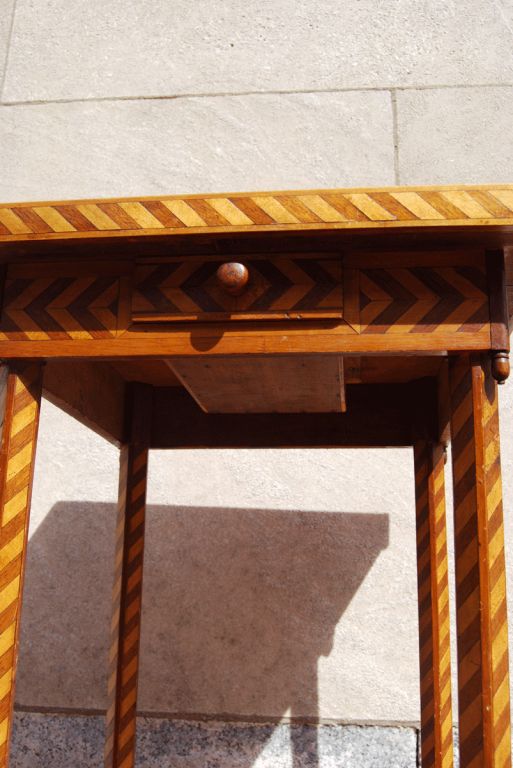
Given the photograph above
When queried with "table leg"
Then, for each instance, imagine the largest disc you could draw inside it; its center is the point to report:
(127, 594)
(433, 603)
(20, 396)
(483, 678)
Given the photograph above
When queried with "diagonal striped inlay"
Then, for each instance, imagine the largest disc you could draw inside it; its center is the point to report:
(360, 208)
(433, 605)
(127, 596)
(21, 394)
(483, 677)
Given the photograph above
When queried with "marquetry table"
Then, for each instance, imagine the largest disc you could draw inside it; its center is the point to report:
(283, 319)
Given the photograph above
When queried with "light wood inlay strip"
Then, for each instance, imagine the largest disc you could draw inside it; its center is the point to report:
(396, 207)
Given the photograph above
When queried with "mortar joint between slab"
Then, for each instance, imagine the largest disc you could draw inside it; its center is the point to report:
(221, 717)
(395, 131)
(238, 94)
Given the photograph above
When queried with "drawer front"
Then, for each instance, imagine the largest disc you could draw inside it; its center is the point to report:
(77, 304)
(280, 287)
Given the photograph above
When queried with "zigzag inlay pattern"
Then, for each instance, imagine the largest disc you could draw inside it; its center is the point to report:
(42, 308)
(288, 210)
(126, 616)
(421, 299)
(22, 398)
(281, 285)
(483, 677)
(433, 604)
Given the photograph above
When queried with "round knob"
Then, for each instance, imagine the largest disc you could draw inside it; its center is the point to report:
(500, 366)
(232, 277)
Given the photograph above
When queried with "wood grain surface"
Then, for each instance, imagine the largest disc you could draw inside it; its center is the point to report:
(91, 392)
(292, 384)
(376, 416)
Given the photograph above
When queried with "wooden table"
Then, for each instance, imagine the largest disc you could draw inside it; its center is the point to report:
(322, 318)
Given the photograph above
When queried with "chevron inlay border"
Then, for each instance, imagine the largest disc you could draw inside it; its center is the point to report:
(423, 299)
(357, 208)
(279, 286)
(60, 308)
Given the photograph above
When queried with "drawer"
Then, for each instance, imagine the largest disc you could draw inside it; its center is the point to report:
(250, 288)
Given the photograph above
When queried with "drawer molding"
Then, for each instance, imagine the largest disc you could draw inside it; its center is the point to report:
(277, 288)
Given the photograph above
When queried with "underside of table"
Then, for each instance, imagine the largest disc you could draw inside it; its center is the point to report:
(339, 318)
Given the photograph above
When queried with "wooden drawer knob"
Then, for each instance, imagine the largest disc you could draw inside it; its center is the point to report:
(232, 277)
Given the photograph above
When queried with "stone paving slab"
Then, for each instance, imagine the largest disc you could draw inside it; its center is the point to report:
(453, 135)
(68, 49)
(284, 580)
(196, 145)
(49, 740)
(6, 11)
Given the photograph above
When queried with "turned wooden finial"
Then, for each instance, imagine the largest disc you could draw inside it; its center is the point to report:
(500, 366)
(232, 277)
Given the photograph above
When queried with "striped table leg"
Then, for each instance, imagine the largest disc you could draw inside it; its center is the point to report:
(483, 679)
(433, 603)
(20, 402)
(127, 595)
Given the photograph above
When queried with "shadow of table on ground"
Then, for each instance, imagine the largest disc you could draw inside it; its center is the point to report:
(239, 605)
